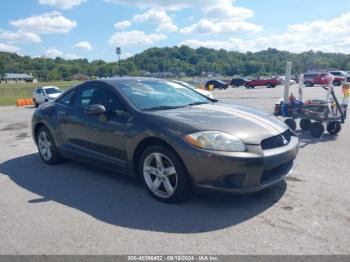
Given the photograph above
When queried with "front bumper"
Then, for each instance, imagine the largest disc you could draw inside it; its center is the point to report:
(241, 172)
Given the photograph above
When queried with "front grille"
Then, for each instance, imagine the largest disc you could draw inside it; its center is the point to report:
(277, 141)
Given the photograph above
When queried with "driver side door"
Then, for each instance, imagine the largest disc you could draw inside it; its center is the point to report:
(98, 136)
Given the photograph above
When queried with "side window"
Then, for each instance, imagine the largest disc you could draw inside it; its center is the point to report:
(113, 103)
(87, 96)
(40, 91)
(66, 99)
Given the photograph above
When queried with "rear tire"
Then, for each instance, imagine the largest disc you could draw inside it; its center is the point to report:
(316, 129)
(269, 85)
(333, 127)
(291, 123)
(47, 148)
(336, 83)
(305, 124)
(164, 175)
(308, 84)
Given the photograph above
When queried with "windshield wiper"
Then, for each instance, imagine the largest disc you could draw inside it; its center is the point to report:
(197, 103)
(161, 108)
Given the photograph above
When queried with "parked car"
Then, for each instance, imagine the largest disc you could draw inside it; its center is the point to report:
(45, 94)
(199, 90)
(311, 79)
(238, 82)
(217, 84)
(344, 74)
(268, 82)
(170, 136)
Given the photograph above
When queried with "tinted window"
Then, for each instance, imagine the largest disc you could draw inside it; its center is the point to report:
(113, 103)
(66, 99)
(39, 91)
(87, 96)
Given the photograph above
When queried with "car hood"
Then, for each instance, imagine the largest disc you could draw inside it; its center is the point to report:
(250, 125)
(54, 95)
(203, 92)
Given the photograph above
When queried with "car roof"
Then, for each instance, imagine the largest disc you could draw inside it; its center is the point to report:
(47, 87)
(116, 80)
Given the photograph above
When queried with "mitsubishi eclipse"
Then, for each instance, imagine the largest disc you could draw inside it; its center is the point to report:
(175, 139)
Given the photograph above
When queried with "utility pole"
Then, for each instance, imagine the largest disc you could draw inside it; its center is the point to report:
(118, 51)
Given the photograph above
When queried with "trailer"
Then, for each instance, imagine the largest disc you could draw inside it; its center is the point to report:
(316, 115)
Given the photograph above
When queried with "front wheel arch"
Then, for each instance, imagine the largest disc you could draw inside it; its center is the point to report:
(143, 145)
(36, 130)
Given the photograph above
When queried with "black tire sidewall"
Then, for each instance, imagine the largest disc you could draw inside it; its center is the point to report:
(291, 123)
(316, 129)
(333, 128)
(305, 124)
(183, 187)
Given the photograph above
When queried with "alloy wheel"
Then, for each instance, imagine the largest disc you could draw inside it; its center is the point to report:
(160, 175)
(44, 144)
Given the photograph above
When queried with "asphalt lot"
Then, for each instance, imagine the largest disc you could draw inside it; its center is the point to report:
(75, 209)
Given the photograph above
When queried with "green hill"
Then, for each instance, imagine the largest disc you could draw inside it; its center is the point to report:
(176, 59)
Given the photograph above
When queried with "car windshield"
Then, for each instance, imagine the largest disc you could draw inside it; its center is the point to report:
(52, 90)
(185, 84)
(160, 95)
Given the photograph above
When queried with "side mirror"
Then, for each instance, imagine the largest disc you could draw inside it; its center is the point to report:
(95, 110)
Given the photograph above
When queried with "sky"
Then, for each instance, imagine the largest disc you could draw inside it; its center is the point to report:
(94, 28)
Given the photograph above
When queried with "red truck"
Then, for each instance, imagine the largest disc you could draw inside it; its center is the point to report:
(311, 79)
(269, 83)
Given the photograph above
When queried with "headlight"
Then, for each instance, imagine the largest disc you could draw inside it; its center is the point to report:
(216, 140)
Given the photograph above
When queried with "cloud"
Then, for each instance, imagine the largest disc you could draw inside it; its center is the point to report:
(19, 37)
(219, 16)
(157, 16)
(53, 52)
(122, 25)
(206, 26)
(8, 48)
(83, 45)
(62, 4)
(328, 36)
(218, 8)
(135, 38)
(46, 23)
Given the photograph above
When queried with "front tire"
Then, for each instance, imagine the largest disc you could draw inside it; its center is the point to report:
(164, 175)
(47, 148)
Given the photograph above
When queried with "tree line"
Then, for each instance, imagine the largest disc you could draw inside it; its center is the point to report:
(176, 60)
